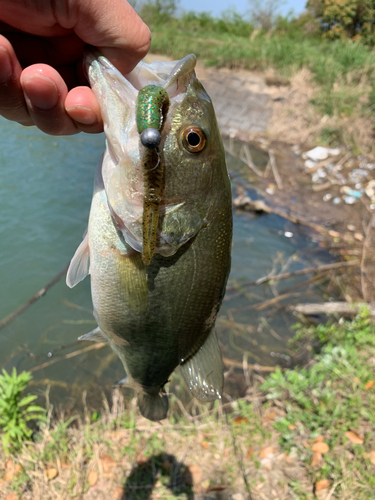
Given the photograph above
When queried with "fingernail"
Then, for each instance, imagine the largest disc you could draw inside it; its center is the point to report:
(40, 91)
(83, 115)
(5, 65)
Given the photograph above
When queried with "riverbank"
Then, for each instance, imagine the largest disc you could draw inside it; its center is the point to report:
(303, 433)
(262, 111)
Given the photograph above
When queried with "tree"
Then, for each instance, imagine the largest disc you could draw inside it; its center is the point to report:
(263, 13)
(345, 18)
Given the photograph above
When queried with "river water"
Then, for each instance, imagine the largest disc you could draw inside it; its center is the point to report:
(45, 194)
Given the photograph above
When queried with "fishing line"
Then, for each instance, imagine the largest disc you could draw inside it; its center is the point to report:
(158, 163)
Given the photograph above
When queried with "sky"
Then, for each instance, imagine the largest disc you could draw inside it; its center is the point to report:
(217, 6)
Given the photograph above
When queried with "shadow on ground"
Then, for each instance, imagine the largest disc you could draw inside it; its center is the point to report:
(161, 472)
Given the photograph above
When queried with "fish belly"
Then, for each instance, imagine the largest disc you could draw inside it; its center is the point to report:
(157, 316)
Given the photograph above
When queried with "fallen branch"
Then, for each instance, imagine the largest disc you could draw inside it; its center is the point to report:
(275, 170)
(260, 206)
(93, 347)
(332, 308)
(5, 321)
(255, 367)
(248, 160)
(367, 262)
(307, 270)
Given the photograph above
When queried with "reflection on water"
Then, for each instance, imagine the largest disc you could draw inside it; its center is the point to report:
(45, 195)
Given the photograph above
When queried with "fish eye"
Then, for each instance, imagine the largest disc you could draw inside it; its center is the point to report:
(193, 139)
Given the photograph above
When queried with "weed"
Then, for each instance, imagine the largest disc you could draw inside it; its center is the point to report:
(16, 413)
(332, 136)
(330, 397)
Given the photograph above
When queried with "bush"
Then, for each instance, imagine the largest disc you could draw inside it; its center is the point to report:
(15, 413)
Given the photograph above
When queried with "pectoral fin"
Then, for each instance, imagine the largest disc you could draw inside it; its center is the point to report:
(80, 264)
(95, 335)
(203, 372)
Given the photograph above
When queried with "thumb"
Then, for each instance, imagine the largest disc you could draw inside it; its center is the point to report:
(115, 28)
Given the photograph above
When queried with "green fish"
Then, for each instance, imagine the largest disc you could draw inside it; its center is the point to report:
(158, 240)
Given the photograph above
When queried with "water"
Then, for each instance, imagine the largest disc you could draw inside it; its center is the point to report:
(45, 194)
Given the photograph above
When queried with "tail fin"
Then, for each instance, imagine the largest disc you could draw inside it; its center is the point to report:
(153, 407)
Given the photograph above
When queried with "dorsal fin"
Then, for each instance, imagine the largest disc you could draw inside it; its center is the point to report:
(80, 264)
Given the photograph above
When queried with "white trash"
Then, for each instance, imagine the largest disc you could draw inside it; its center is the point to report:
(319, 153)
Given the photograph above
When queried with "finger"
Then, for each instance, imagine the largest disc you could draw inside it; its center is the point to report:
(12, 101)
(83, 108)
(111, 25)
(55, 51)
(45, 93)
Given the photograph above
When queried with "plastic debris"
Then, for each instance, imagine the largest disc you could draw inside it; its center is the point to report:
(340, 177)
(288, 234)
(370, 189)
(310, 164)
(336, 200)
(327, 197)
(319, 175)
(330, 167)
(319, 153)
(351, 192)
(357, 174)
(270, 191)
(350, 200)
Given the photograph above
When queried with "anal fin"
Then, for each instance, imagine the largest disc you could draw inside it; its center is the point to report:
(95, 335)
(204, 372)
(80, 264)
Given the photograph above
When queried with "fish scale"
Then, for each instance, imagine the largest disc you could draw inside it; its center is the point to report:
(159, 313)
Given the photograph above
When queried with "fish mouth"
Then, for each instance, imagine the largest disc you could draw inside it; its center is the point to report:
(133, 174)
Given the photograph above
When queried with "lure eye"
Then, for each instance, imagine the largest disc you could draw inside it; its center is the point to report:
(193, 139)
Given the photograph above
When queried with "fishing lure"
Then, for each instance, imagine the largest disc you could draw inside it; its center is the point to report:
(152, 107)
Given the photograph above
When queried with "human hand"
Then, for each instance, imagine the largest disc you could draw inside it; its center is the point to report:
(41, 58)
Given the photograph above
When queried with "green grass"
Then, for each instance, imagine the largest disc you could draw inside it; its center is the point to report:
(327, 398)
(327, 60)
(343, 70)
(330, 398)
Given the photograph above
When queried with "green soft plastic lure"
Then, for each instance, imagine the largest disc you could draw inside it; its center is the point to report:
(152, 107)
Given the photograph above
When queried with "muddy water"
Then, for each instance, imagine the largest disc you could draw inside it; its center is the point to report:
(45, 193)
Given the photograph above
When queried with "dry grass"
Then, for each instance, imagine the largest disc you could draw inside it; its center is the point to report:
(296, 119)
(303, 111)
(123, 455)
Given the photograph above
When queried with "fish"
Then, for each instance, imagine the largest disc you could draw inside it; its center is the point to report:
(158, 241)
